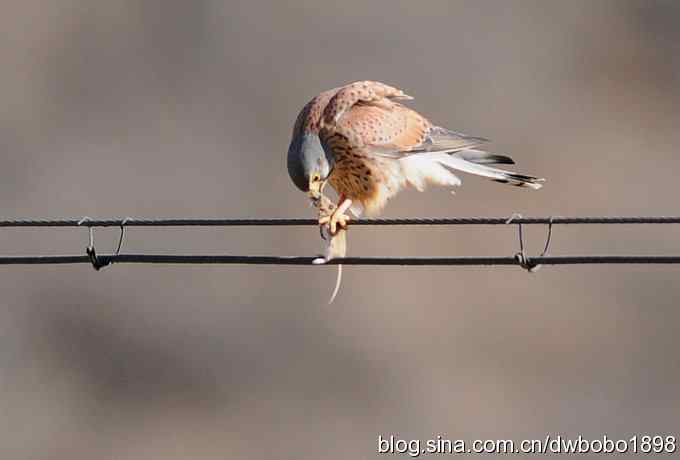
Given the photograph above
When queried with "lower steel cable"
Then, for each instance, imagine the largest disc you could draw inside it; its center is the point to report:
(297, 260)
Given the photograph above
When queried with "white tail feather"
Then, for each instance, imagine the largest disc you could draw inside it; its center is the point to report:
(426, 168)
(454, 161)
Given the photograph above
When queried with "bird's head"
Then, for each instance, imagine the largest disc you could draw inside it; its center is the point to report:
(308, 163)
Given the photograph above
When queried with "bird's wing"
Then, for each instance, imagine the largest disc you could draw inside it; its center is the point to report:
(360, 92)
(440, 139)
(367, 115)
(396, 131)
(331, 105)
(309, 118)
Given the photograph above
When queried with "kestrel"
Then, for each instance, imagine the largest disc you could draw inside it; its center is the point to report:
(362, 140)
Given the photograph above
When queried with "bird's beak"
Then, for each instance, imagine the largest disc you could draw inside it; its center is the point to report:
(315, 188)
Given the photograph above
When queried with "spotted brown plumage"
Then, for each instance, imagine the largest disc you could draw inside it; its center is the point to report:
(362, 140)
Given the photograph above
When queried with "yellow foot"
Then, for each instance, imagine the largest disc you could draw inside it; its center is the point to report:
(336, 220)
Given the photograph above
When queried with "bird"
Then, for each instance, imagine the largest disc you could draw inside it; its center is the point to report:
(362, 140)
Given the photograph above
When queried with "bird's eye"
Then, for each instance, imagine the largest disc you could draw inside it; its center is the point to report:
(316, 177)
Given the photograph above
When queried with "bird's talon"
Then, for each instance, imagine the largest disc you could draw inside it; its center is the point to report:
(335, 222)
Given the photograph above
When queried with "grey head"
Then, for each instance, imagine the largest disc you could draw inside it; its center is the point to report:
(308, 162)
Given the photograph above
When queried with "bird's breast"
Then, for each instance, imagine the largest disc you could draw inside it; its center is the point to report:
(354, 176)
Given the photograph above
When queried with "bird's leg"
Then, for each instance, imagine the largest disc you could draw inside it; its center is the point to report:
(337, 218)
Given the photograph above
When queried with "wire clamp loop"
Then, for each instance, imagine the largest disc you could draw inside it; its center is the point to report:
(548, 238)
(97, 263)
(122, 235)
(521, 256)
(524, 262)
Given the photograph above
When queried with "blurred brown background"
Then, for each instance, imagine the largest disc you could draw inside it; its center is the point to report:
(162, 108)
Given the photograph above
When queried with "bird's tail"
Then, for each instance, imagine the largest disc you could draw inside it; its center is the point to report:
(476, 161)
